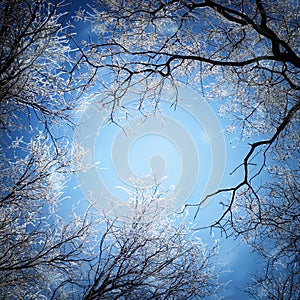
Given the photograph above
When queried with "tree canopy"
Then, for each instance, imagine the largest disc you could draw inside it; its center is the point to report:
(242, 55)
(245, 56)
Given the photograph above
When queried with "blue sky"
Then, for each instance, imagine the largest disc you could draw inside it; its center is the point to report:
(148, 144)
(138, 154)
